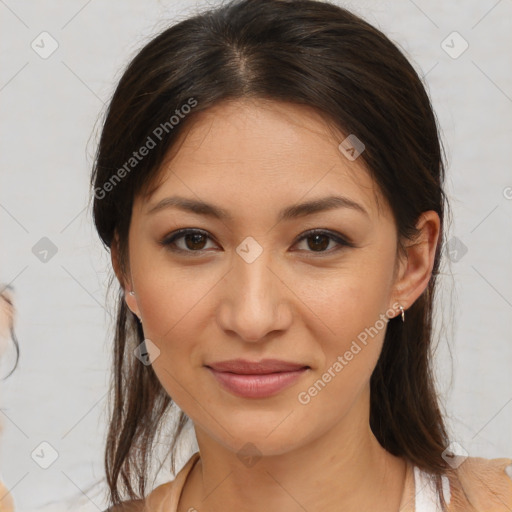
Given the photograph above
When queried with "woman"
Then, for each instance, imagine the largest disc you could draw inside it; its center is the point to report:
(7, 336)
(269, 181)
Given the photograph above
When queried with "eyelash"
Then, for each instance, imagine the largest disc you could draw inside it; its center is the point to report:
(169, 240)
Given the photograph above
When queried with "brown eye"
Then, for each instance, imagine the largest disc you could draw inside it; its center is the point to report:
(318, 241)
(193, 241)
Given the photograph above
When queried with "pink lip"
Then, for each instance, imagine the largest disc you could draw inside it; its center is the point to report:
(256, 379)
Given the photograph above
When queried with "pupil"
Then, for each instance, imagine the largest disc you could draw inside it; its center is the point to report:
(196, 237)
(322, 246)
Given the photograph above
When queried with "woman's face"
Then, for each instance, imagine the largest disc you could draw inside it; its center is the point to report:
(246, 286)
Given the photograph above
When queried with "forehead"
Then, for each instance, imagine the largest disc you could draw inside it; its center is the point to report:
(274, 151)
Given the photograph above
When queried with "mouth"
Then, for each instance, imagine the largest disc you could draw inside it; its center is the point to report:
(265, 366)
(251, 379)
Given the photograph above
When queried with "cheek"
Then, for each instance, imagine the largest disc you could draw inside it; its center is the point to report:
(349, 298)
(174, 323)
(350, 307)
(170, 296)
(175, 308)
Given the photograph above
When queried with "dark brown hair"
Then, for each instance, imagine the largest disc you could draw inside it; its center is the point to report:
(310, 53)
(6, 297)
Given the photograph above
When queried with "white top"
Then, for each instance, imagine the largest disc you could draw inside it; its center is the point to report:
(426, 496)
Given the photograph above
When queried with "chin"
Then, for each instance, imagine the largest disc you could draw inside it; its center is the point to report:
(267, 439)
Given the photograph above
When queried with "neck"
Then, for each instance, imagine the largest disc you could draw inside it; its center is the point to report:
(344, 469)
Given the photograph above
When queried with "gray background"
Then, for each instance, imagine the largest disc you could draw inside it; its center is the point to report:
(49, 109)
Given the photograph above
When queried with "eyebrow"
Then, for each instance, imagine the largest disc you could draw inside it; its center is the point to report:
(288, 213)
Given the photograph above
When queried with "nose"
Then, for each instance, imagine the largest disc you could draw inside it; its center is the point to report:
(255, 301)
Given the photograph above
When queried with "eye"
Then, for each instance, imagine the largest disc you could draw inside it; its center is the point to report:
(320, 240)
(194, 241)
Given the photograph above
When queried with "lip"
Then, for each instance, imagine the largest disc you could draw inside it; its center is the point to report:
(265, 366)
(256, 379)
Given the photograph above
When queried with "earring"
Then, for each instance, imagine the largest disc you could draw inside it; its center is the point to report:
(402, 310)
(133, 293)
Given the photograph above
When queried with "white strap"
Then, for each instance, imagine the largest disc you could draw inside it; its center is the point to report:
(426, 496)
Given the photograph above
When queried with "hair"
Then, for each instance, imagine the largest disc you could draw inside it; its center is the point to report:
(310, 53)
(7, 298)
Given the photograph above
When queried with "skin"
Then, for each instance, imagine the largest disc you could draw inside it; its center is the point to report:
(6, 322)
(293, 302)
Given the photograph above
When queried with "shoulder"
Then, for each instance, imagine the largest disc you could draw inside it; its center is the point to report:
(166, 497)
(163, 498)
(485, 484)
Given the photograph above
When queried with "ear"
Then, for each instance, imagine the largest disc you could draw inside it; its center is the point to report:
(130, 300)
(415, 272)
